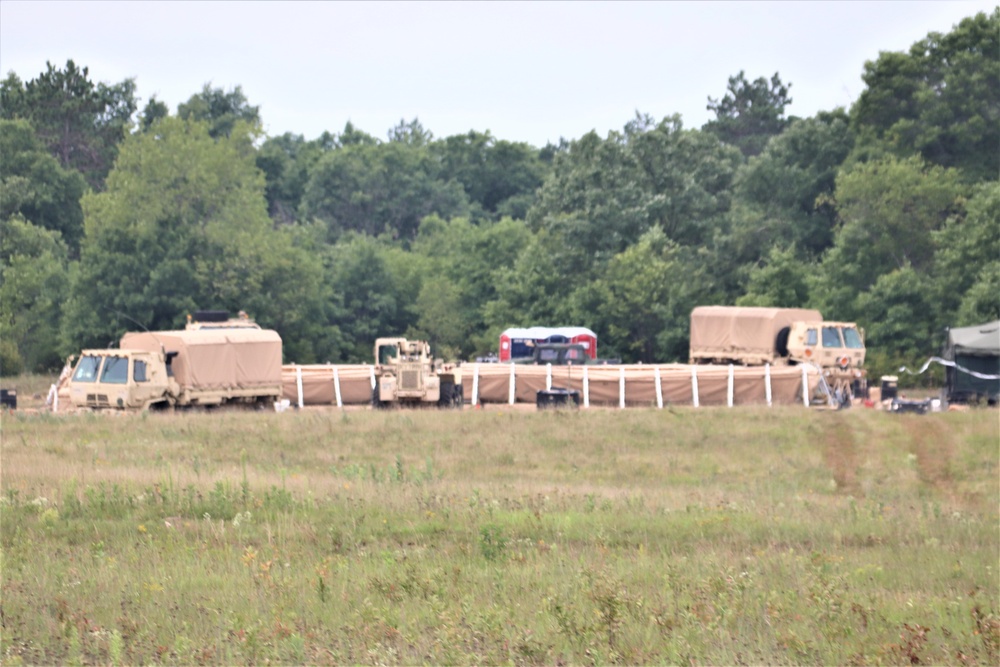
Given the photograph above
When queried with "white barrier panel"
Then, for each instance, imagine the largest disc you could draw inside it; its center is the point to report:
(373, 378)
(548, 377)
(586, 388)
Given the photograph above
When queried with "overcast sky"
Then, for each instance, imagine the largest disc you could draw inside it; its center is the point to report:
(530, 72)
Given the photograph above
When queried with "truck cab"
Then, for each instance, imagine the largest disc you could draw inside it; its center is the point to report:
(828, 344)
(836, 347)
(124, 379)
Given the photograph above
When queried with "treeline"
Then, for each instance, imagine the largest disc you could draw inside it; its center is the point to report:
(888, 213)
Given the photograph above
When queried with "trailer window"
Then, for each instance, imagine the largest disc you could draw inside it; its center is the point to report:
(86, 370)
(853, 339)
(831, 337)
(139, 371)
(115, 370)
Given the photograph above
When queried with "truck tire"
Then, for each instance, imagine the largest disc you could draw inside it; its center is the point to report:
(451, 396)
(377, 403)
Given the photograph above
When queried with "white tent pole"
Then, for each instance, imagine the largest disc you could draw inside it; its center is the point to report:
(659, 389)
(298, 383)
(586, 388)
(621, 387)
(475, 386)
(767, 383)
(694, 385)
(729, 387)
(805, 385)
(548, 376)
(336, 387)
(512, 395)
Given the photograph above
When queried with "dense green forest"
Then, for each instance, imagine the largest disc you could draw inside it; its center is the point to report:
(888, 213)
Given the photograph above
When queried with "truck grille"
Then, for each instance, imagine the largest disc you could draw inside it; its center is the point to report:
(410, 379)
(98, 400)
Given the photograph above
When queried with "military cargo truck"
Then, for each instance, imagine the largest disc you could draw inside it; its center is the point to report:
(187, 368)
(407, 374)
(750, 336)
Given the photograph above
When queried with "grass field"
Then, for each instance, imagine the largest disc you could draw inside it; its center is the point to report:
(707, 536)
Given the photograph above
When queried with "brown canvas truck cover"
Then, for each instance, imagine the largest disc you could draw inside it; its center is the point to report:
(737, 333)
(217, 359)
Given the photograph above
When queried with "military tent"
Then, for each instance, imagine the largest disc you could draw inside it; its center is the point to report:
(975, 353)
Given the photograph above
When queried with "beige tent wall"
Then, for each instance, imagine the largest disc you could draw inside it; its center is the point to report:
(603, 384)
(319, 384)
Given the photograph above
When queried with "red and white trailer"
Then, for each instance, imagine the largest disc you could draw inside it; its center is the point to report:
(514, 343)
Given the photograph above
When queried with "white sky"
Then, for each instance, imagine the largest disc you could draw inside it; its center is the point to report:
(530, 72)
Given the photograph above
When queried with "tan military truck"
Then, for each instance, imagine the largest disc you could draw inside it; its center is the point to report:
(750, 336)
(407, 374)
(192, 367)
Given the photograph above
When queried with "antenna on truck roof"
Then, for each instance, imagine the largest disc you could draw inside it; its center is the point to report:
(130, 319)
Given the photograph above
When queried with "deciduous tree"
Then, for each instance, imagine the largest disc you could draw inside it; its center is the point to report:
(940, 100)
(35, 186)
(79, 122)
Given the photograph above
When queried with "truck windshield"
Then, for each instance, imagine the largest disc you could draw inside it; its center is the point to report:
(86, 370)
(852, 338)
(115, 370)
(546, 354)
(831, 337)
(386, 353)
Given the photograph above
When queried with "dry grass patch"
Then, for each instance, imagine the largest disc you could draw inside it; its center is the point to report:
(501, 536)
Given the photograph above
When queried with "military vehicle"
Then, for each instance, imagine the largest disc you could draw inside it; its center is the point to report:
(196, 366)
(561, 354)
(749, 336)
(407, 375)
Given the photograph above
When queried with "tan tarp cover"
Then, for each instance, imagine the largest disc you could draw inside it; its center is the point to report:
(733, 332)
(214, 359)
(318, 387)
(604, 383)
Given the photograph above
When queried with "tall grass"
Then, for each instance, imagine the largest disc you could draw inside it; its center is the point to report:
(501, 536)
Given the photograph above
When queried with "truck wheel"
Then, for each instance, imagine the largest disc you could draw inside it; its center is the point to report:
(445, 397)
(451, 396)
